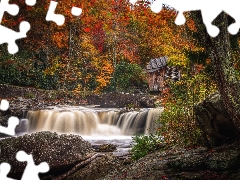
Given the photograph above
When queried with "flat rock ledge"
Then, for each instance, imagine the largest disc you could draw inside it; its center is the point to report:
(221, 163)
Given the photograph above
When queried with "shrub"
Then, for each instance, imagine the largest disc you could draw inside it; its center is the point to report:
(30, 95)
(145, 145)
(178, 119)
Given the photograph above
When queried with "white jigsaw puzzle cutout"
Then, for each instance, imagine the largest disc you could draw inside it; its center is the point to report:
(12, 121)
(59, 19)
(76, 11)
(209, 10)
(30, 2)
(4, 105)
(12, 9)
(8, 35)
(4, 170)
(31, 171)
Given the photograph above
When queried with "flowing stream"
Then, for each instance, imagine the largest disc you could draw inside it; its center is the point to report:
(96, 125)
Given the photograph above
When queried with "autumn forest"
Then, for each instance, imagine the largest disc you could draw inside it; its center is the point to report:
(87, 52)
(106, 50)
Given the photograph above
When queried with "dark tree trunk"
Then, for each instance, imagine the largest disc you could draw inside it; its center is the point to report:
(222, 60)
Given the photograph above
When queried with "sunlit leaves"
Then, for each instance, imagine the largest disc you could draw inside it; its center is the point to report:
(178, 119)
(60, 39)
(84, 52)
(104, 76)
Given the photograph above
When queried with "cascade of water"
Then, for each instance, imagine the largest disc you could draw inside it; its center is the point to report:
(132, 122)
(94, 121)
(108, 117)
(153, 116)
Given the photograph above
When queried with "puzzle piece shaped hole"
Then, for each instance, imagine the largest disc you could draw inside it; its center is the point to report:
(4, 170)
(76, 11)
(10, 129)
(59, 19)
(208, 13)
(4, 105)
(31, 171)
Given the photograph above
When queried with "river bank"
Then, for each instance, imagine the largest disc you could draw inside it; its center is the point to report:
(39, 98)
(82, 162)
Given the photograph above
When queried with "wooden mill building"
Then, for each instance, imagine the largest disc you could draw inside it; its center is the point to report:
(158, 71)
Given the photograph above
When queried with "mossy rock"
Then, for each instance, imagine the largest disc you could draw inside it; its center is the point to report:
(105, 148)
(61, 152)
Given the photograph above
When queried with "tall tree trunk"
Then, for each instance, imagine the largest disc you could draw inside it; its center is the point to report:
(220, 52)
(225, 73)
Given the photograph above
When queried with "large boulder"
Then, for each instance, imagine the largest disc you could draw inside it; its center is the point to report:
(215, 122)
(97, 169)
(61, 152)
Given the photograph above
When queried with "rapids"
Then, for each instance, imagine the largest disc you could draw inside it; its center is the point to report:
(94, 121)
(96, 125)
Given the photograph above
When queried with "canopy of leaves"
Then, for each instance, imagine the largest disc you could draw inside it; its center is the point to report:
(87, 52)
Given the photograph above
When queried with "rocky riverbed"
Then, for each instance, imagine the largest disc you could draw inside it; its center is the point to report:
(32, 98)
(221, 163)
(66, 154)
(71, 157)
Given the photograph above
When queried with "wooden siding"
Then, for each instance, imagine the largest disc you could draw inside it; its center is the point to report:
(158, 72)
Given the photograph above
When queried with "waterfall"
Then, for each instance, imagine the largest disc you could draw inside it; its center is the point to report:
(90, 121)
(153, 116)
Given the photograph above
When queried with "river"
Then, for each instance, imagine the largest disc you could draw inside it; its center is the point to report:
(96, 125)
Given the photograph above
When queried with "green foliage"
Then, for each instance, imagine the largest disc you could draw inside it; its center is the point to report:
(145, 145)
(29, 95)
(45, 81)
(129, 76)
(22, 70)
(130, 106)
(178, 119)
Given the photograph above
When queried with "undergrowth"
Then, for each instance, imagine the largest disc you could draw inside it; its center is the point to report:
(178, 121)
(145, 144)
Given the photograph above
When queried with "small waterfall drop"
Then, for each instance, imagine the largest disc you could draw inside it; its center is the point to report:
(90, 121)
(153, 116)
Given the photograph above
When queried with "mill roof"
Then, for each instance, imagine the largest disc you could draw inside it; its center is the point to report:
(156, 64)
